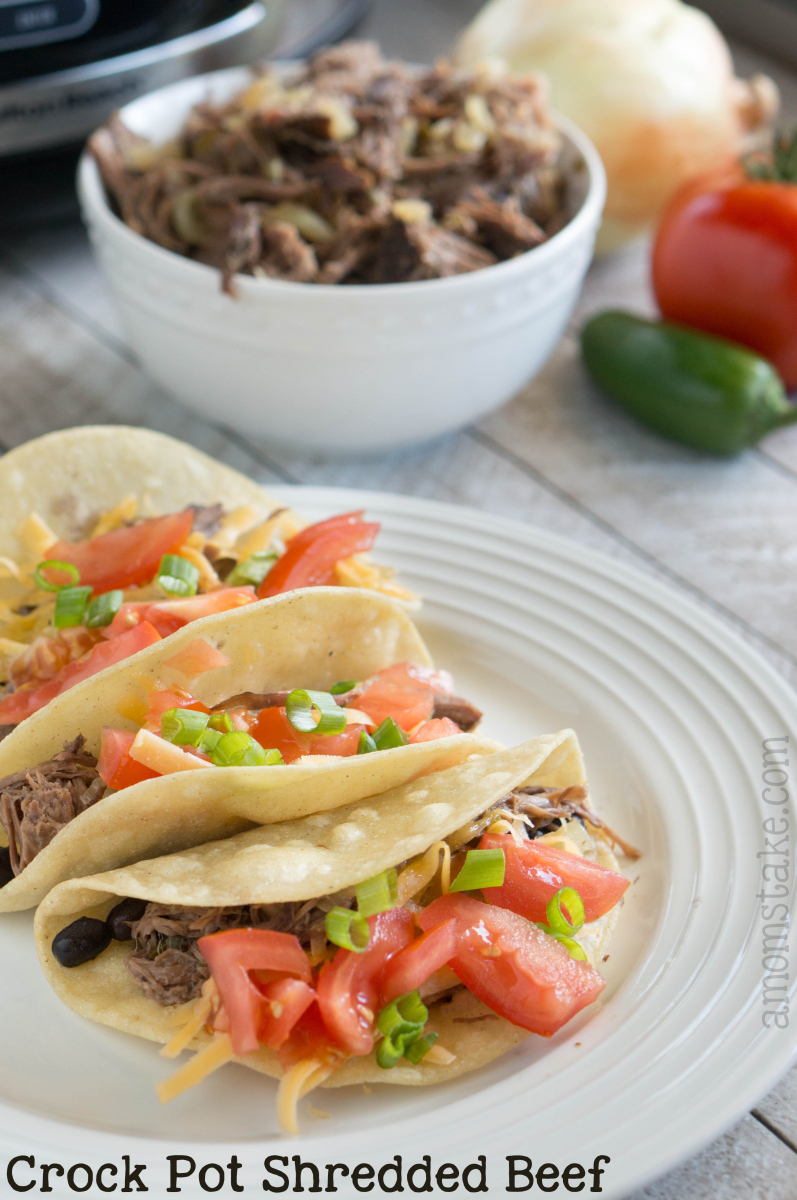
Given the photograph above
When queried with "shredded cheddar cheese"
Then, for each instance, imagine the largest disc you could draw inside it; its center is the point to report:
(161, 756)
(201, 1065)
(126, 510)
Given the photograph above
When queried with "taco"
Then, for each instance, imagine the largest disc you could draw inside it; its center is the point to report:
(127, 765)
(113, 537)
(397, 940)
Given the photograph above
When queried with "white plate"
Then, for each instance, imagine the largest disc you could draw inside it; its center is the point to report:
(672, 710)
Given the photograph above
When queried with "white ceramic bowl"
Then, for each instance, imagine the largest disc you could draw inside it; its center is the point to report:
(335, 370)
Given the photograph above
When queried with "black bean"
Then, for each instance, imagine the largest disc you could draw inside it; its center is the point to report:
(84, 939)
(122, 917)
(6, 874)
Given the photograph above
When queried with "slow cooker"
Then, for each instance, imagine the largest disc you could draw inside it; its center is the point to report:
(65, 65)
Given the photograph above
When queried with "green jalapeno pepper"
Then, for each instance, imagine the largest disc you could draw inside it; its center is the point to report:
(696, 389)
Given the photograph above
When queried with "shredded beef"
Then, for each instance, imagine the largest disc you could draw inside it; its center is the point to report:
(174, 977)
(207, 518)
(460, 711)
(37, 803)
(334, 148)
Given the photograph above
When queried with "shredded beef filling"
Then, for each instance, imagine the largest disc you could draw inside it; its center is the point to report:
(37, 803)
(354, 170)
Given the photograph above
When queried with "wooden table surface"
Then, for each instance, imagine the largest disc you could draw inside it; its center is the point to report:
(557, 456)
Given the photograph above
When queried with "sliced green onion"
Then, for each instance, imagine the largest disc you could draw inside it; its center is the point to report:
(221, 722)
(420, 1048)
(54, 564)
(103, 610)
(345, 685)
(299, 711)
(378, 894)
(253, 569)
(208, 740)
(389, 734)
(240, 749)
(402, 1024)
(183, 726)
(70, 606)
(348, 929)
(568, 898)
(481, 869)
(572, 945)
(178, 576)
(366, 744)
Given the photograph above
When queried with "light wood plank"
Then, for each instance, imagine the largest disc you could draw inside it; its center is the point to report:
(749, 1163)
(779, 1108)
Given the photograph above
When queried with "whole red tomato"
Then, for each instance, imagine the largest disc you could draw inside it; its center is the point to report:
(725, 261)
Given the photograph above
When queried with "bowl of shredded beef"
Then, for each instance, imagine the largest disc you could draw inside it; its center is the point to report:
(348, 254)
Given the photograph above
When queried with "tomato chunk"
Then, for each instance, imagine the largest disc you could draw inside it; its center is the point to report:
(397, 692)
(128, 556)
(534, 872)
(231, 955)
(284, 1002)
(432, 730)
(309, 1039)
(115, 766)
(19, 705)
(168, 616)
(512, 966)
(413, 965)
(348, 987)
(310, 556)
(274, 732)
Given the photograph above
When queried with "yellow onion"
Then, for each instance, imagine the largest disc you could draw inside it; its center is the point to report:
(651, 82)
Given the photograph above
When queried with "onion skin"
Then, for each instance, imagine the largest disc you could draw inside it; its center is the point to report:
(650, 82)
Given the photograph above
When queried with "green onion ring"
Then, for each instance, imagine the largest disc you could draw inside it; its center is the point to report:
(178, 576)
(366, 744)
(389, 735)
(70, 606)
(402, 1024)
(221, 722)
(481, 869)
(253, 569)
(340, 689)
(378, 894)
(239, 749)
(299, 711)
(348, 929)
(183, 726)
(54, 564)
(103, 609)
(420, 1047)
(557, 921)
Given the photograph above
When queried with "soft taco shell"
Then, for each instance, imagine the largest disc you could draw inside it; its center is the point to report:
(72, 476)
(309, 638)
(304, 858)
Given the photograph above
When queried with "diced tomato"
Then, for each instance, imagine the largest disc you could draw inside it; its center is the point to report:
(396, 692)
(310, 557)
(168, 616)
(432, 730)
(284, 1002)
(413, 965)
(115, 767)
(534, 872)
(438, 680)
(196, 658)
(348, 987)
(19, 705)
(274, 731)
(309, 1039)
(162, 700)
(231, 955)
(125, 557)
(514, 968)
